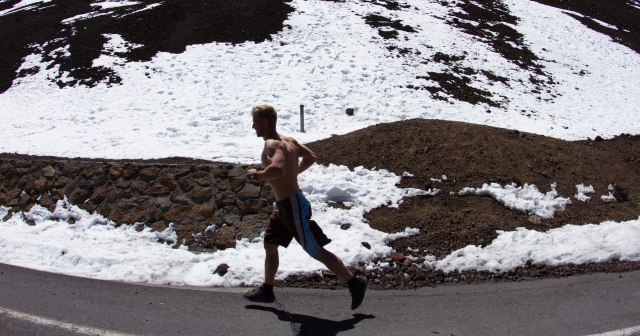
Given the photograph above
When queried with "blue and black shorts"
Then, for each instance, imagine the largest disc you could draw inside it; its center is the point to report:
(292, 219)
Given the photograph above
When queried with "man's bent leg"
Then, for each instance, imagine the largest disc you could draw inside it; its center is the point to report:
(271, 263)
(333, 263)
(357, 284)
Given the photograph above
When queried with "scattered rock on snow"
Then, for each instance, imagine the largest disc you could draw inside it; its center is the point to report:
(222, 269)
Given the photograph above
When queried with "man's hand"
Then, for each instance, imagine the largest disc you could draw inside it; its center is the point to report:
(249, 173)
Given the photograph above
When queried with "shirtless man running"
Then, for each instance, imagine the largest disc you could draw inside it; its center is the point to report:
(292, 216)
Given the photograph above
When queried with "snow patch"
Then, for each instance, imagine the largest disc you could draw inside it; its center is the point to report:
(23, 5)
(526, 198)
(570, 244)
(114, 4)
(608, 198)
(582, 191)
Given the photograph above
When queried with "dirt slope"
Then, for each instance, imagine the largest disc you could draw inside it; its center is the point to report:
(470, 155)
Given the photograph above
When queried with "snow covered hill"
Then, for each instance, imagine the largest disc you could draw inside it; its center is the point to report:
(514, 64)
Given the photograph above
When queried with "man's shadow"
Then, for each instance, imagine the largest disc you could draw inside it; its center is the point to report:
(309, 325)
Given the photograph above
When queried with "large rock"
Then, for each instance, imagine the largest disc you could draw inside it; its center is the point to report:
(181, 171)
(203, 178)
(104, 209)
(39, 184)
(129, 171)
(123, 184)
(202, 212)
(79, 196)
(254, 206)
(177, 214)
(164, 203)
(149, 174)
(225, 198)
(156, 190)
(93, 170)
(141, 186)
(222, 269)
(135, 218)
(158, 226)
(48, 171)
(249, 191)
(85, 183)
(119, 214)
(201, 195)
(237, 183)
(222, 173)
(226, 238)
(221, 184)
(166, 179)
(98, 196)
(45, 200)
(186, 183)
(232, 220)
(180, 199)
(115, 172)
(252, 226)
(128, 202)
(185, 233)
(146, 207)
(236, 171)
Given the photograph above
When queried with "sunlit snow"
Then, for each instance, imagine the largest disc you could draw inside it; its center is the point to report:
(197, 104)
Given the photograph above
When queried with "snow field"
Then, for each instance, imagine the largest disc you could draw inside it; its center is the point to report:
(197, 103)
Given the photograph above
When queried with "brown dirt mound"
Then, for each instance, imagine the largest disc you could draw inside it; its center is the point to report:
(470, 155)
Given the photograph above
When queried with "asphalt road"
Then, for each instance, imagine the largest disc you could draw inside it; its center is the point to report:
(40, 303)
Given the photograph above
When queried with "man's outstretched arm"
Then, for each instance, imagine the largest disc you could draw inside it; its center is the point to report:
(308, 158)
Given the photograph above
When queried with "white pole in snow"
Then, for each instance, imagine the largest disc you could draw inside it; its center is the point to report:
(302, 118)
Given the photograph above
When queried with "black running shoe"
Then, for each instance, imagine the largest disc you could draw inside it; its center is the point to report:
(259, 295)
(357, 292)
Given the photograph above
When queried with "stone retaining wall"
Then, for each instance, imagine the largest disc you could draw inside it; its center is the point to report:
(191, 196)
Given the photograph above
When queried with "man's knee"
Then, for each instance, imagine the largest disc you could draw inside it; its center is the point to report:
(271, 248)
(321, 254)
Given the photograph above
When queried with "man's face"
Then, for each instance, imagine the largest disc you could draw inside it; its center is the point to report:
(258, 125)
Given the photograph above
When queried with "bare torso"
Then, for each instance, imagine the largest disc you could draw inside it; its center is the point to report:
(286, 185)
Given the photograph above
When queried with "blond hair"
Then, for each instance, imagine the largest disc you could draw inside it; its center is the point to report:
(267, 112)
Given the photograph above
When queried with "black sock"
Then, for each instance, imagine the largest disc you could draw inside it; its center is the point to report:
(352, 282)
(268, 289)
